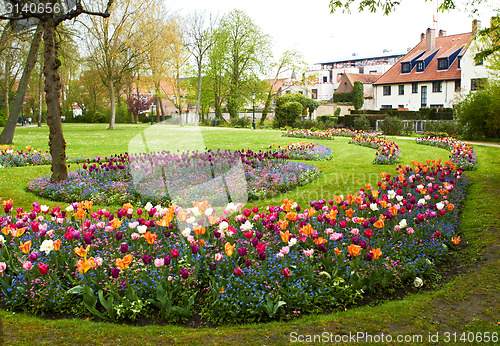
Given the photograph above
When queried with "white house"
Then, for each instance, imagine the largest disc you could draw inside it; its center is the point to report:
(323, 79)
(432, 74)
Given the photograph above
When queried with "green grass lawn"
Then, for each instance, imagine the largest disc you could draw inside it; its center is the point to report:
(468, 302)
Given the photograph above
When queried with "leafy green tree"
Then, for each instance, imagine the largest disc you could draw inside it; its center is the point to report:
(361, 123)
(244, 50)
(479, 113)
(357, 95)
(286, 114)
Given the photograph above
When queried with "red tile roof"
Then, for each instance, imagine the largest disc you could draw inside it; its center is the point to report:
(431, 73)
(363, 78)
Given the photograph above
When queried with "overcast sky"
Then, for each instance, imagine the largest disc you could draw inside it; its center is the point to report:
(308, 26)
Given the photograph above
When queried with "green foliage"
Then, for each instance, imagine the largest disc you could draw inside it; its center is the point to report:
(361, 123)
(342, 98)
(337, 112)
(289, 108)
(392, 126)
(479, 113)
(357, 95)
(241, 122)
(442, 128)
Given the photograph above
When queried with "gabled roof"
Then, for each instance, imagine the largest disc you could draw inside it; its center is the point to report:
(363, 78)
(446, 45)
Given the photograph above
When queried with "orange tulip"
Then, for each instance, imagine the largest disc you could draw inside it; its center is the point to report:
(310, 212)
(338, 199)
(81, 252)
(198, 230)
(17, 232)
(383, 175)
(126, 206)
(182, 215)
(164, 222)
(393, 210)
(337, 251)
(320, 240)
(291, 216)
(287, 205)
(383, 203)
(376, 253)
(383, 186)
(354, 250)
(6, 230)
(229, 249)
(307, 229)
(80, 214)
(368, 187)
(116, 223)
(202, 242)
(379, 224)
(455, 240)
(349, 212)
(450, 206)
(213, 219)
(84, 264)
(332, 214)
(57, 244)
(375, 193)
(25, 247)
(150, 237)
(283, 224)
(285, 236)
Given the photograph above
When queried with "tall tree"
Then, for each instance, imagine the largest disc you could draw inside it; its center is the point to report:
(289, 60)
(7, 135)
(50, 19)
(247, 52)
(117, 46)
(200, 26)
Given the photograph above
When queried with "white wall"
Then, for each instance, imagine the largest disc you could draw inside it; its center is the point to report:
(470, 70)
(412, 101)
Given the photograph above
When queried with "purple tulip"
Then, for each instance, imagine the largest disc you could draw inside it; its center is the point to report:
(146, 259)
(124, 248)
(184, 273)
(115, 272)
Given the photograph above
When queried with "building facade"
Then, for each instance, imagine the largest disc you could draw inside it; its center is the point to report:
(433, 74)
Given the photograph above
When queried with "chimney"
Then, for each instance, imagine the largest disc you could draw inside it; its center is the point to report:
(430, 39)
(476, 26)
(442, 33)
(422, 37)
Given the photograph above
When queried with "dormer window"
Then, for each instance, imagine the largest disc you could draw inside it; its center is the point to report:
(443, 64)
(405, 67)
(420, 66)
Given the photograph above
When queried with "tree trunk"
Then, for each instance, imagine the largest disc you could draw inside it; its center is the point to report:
(112, 101)
(161, 108)
(40, 99)
(53, 98)
(265, 110)
(7, 135)
(198, 99)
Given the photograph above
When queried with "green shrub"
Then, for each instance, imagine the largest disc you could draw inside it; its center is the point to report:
(479, 113)
(451, 128)
(357, 95)
(392, 126)
(361, 123)
(288, 109)
(241, 122)
(337, 112)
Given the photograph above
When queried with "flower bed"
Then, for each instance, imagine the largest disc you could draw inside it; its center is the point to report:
(308, 134)
(11, 157)
(303, 151)
(462, 153)
(387, 153)
(163, 177)
(329, 134)
(272, 263)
